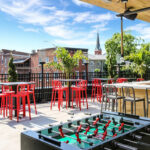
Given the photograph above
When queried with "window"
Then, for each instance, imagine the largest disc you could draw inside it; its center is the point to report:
(91, 62)
(77, 74)
(83, 61)
(47, 59)
(2, 59)
(40, 60)
(5, 61)
(55, 59)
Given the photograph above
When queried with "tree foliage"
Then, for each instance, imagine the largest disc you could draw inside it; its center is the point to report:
(140, 61)
(97, 70)
(113, 47)
(66, 62)
(12, 71)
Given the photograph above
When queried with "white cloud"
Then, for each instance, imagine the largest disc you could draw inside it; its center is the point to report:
(59, 31)
(79, 3)
(88, 17)
(61, 24)
(142, 29)
(29, 29)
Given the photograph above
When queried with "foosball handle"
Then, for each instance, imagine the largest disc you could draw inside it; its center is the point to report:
(124, 146)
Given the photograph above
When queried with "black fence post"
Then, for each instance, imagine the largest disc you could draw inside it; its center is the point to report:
(42, 80)
(29, 77)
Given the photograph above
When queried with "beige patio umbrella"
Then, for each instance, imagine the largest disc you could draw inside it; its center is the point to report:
(130, 9)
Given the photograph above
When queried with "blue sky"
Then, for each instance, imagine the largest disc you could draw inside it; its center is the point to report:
(34, 24)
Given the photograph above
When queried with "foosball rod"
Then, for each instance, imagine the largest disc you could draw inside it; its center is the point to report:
(91, 132)
(90, 143)
(98, 127)
(109, 125)
(124, 146)
(137, 137)
(81, 134)
(137, 142)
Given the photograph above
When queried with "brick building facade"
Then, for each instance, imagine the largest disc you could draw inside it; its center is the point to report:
(21, 60)
(48, 55)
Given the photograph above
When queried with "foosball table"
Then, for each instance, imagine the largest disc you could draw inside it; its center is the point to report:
(108, 131)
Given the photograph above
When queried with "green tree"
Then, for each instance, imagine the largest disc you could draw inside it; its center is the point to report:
(12, 75)
(66, 63)
(113, 47)
(97, 70)
(140, 61)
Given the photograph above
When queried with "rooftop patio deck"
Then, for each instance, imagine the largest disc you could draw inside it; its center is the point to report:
(10, 129)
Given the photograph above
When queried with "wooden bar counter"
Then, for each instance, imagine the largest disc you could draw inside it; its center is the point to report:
(140, 91)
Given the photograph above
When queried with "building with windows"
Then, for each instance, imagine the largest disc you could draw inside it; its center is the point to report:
(96, 60)
(21, 60)
(48, 55)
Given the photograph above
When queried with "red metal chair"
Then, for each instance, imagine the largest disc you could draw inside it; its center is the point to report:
(3, 104)
(93, 89)
(139, 79)
(21, 93)
(96, 89)
(8, 91)
(58, 88)
(81, 88)
(31, 91)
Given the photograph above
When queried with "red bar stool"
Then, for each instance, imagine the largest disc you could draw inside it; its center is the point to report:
(58, 88)
(8, 91)
(21, 93)
(31, 91)
(99, 89)
(93, 89)
(80, 88)
(96, 89)
(3, 105)
(139, 79)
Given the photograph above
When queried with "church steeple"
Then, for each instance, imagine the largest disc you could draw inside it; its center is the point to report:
(98, 50)
(97, 42)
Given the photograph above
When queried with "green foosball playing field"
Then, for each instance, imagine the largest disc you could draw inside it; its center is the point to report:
(97, 133)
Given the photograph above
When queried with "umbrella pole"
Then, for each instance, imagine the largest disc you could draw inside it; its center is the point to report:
(121, 36)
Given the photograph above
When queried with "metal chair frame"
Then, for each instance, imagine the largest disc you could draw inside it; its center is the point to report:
(128, 93)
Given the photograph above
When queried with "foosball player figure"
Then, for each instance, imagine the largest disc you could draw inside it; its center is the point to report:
(114, 122)
(79, 128)
(114, 132)
(78, 139)
(96, 130)
(104, 135)
(87, 130)
(61, 132)
(121, 127)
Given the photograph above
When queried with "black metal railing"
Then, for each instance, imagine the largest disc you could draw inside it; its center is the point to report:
(43, 82)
